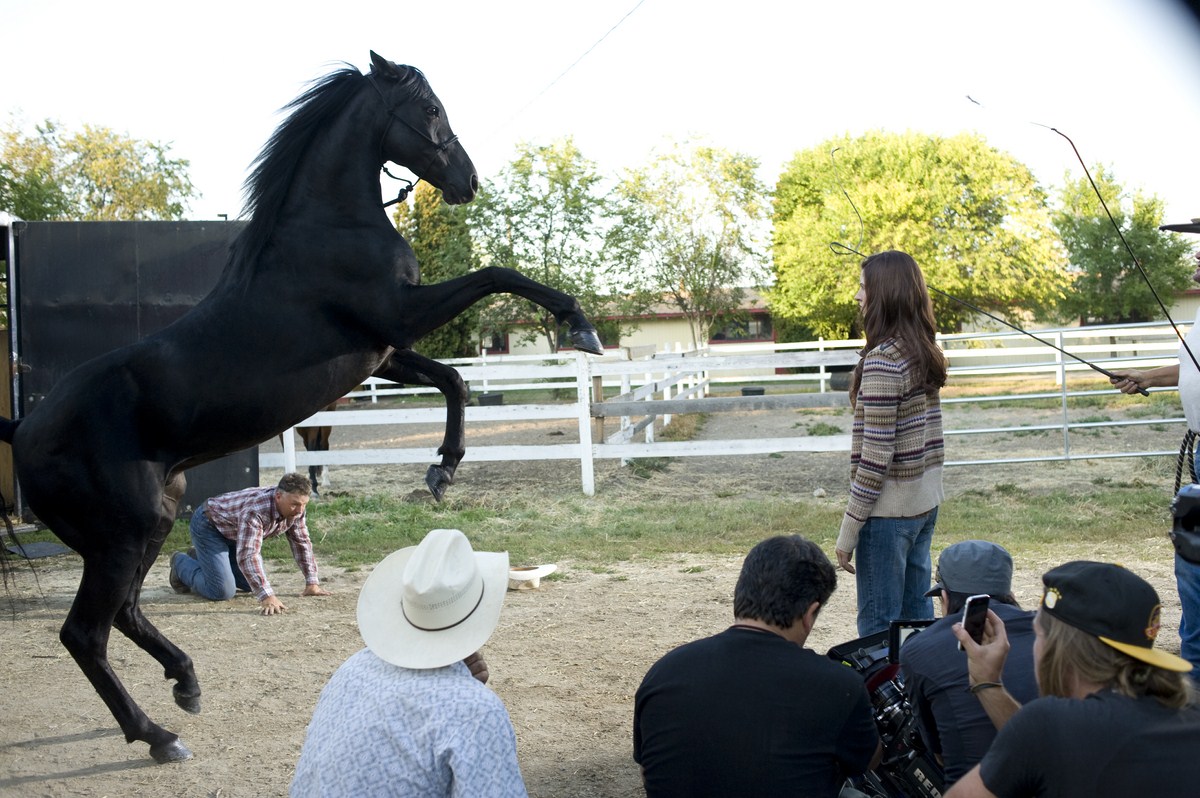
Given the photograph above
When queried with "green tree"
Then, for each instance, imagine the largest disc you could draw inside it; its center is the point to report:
(93, 175)
(441, 240)
(1108, 287)
(547, 216)
(973, 217)
(698, 213)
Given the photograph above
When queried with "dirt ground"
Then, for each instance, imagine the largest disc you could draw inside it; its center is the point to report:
(566, 657)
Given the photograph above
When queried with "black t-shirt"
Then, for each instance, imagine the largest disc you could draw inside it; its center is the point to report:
(748, 713)
(952, 721)
(1104, 745)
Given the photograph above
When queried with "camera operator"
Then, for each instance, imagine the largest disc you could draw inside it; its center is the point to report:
(953, 724)
(1117, 717)
(750, 711)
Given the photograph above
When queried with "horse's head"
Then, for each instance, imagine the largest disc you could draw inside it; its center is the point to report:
(418, 134)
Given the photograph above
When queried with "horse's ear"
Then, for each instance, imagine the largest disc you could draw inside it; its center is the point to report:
(383, 67)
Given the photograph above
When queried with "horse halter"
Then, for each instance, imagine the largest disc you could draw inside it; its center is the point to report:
(439, 148)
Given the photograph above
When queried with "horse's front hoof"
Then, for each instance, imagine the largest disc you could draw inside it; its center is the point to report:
(173, 751)
(587, 341)
(186, 702)
(437, 480)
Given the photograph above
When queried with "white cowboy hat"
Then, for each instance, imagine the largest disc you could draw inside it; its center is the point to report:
(432, 604)
(528, 576)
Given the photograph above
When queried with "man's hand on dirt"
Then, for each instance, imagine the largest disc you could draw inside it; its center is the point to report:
(271, 605)
(478, 667)
(314, 590)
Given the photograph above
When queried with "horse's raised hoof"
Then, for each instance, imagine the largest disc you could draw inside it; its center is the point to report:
(587, 341)
(173, 751)
(187, 702)
(437, 479)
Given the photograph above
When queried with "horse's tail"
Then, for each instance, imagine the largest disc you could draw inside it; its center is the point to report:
(8, 428)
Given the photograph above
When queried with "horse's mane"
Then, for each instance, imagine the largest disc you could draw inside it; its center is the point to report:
(275, 167)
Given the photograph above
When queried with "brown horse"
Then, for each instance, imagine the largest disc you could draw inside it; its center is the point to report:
(101, 460)
(315, 439)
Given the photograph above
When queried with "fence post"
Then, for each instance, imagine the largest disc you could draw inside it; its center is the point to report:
(1062, 381)
(598, 396)
(1060, 374)
(648, 432)
(289, 450)
(483, 353)
(587, 470)
(822, 374)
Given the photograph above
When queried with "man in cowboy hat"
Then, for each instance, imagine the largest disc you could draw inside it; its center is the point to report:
(405, 716)
(1117, 716)
(1186, 375)
(952, 722)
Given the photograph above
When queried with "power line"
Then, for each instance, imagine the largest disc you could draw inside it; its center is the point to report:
(563, 74)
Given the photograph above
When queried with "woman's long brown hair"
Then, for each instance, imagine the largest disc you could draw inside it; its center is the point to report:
(898, 306)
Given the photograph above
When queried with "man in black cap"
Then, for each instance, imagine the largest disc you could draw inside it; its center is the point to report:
(954, 725)
(1117, 716)
(1186, 375)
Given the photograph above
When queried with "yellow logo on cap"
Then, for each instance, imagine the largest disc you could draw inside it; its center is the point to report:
(1155, 624)
(1051, 597)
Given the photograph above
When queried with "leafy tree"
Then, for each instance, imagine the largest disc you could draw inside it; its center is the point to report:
(973, 217)
(1108, 287)
(698, 214)
(441, 240)
(93, 175)
(547, 216)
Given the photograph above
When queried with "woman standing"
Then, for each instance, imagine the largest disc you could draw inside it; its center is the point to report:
(896, 453)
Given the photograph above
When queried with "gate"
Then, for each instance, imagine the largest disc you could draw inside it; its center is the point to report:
(80, 289)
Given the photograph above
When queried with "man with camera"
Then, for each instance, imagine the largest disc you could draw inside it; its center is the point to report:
(947, 706)
(750, 711)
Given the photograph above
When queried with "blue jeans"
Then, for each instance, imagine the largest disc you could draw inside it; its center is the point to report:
(894, 571)
(1187, 580)
(214, 573)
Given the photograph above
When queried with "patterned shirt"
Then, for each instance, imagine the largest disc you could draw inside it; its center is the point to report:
(381, 730)
(250, 516)
(896, 451)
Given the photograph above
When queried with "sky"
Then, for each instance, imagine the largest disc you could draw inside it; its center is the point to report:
(767, 78)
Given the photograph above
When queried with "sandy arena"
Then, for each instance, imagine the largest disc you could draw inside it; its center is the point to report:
(566, 658)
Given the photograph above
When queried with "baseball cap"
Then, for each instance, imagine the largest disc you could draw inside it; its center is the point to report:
(1113, 604)
(974, 566)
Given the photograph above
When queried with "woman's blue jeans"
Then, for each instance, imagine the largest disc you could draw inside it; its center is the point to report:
(893, 571)
(214, 573)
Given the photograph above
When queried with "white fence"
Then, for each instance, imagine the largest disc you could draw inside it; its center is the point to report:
(656, 385)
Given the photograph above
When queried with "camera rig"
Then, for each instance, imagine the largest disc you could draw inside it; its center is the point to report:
(907, 770)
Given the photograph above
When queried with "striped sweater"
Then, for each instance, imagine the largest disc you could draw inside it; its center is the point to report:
(896, 452)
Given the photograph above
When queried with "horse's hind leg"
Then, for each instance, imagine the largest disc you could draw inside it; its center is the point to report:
(105, 587)
(407, 366)
(133, 624)
(107, 596)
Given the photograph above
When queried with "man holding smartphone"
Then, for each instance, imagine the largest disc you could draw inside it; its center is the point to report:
(952, 722)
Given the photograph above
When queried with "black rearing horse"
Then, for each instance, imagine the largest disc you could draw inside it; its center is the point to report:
(101, 460)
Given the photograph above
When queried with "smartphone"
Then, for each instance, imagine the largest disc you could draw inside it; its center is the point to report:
(974, 614)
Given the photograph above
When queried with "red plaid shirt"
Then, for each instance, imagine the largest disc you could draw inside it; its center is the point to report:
(250, 516)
